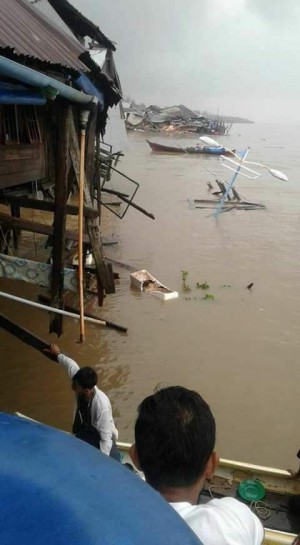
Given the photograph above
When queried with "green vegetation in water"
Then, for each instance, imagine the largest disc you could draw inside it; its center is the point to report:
(184, 275)
(204, 286)
(208, 296)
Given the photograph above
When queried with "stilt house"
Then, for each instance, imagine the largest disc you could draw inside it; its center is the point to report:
(57, 82)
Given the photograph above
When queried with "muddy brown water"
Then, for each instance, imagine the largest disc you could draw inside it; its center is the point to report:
(240, 350)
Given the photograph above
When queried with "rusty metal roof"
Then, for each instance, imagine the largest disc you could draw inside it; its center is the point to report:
(26, 31)
(80, 24)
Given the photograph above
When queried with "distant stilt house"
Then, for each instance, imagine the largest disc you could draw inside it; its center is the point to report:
(57, 81)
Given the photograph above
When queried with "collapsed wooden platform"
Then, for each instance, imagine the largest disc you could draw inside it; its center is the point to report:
(233, 200)
(227, 205)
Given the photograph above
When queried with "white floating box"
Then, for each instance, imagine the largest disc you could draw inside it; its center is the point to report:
(144, 281)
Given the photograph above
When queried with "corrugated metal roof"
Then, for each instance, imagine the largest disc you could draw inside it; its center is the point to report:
(26, 31)
(49, 12)
(79, 24)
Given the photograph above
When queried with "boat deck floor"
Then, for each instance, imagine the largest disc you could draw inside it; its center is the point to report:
(279, 516)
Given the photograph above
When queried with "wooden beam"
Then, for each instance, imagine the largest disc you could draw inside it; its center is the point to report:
(104, 277)
(25, 336)
(36, 227)
(48, 206)
(90, 149)
(15, 212)
(62, 167)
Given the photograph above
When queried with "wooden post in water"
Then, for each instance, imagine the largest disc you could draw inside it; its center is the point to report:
(62, 166)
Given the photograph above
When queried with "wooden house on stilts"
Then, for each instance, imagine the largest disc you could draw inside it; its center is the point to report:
(54, 99)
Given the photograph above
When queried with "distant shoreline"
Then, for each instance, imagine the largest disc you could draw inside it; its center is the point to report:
(228, 119)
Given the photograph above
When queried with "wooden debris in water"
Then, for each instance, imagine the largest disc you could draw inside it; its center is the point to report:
(144, 281)
(233, 202)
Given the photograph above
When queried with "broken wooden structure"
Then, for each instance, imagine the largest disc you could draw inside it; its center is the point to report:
(43, 90)
(232, 202)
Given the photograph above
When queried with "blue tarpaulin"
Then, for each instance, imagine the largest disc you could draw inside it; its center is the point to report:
(85, 84)
(21, 97)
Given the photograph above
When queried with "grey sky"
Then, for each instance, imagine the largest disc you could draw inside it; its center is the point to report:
(235, 57)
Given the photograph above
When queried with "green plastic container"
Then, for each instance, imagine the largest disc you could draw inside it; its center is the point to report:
(251, 490)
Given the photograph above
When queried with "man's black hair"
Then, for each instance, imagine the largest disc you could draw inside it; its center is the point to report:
(175, 435)
(86, 377)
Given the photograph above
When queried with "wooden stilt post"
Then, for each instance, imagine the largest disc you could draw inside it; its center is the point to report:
(97, 178)
(15, 212)
(104, 277)
(83, 122)
(59, 229)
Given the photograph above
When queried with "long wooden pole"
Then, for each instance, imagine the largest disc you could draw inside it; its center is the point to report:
(62, 167)
(80, 235)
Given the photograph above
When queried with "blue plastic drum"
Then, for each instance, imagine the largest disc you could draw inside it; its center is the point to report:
(58, 490)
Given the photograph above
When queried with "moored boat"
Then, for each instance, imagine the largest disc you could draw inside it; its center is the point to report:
(193, 150)
(278, 485)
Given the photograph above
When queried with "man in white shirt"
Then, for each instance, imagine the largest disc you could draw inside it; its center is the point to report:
(93, 420)
(174, 447)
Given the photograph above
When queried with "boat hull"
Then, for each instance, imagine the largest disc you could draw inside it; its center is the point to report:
(190, 150)
(279, 485)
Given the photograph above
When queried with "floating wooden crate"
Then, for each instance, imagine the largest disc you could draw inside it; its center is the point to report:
(144, 281)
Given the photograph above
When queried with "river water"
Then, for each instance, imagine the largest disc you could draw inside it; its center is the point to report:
(240, 350)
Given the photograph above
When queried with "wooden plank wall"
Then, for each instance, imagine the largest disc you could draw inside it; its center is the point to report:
(21, 163)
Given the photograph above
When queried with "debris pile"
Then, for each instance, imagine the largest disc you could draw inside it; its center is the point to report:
(175, 119)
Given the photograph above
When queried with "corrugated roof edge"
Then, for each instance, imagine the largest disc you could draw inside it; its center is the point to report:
(80, 24)
(36, 37)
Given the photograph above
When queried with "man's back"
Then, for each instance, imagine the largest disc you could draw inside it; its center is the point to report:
(223, 521)
(174, 447)
(101, 411)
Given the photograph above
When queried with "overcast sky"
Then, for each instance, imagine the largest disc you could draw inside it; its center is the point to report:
(235, 57)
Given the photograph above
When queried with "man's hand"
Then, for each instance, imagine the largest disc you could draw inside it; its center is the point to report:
(53, 349)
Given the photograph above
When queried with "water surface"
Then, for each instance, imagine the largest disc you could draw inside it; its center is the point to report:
(240, 350)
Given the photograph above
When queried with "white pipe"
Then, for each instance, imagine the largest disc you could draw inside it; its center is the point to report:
(50, 309)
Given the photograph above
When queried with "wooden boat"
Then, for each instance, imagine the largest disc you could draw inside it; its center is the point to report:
(191, 150)
(281, 526)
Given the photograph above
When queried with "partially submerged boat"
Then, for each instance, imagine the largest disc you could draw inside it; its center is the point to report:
(232, 479)
(194, 150)
(144, 281)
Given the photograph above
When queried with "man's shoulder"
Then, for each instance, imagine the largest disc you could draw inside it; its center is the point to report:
(229, 504)
(102, 399)
(215, 505)
(228, 507)
(219, 517)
